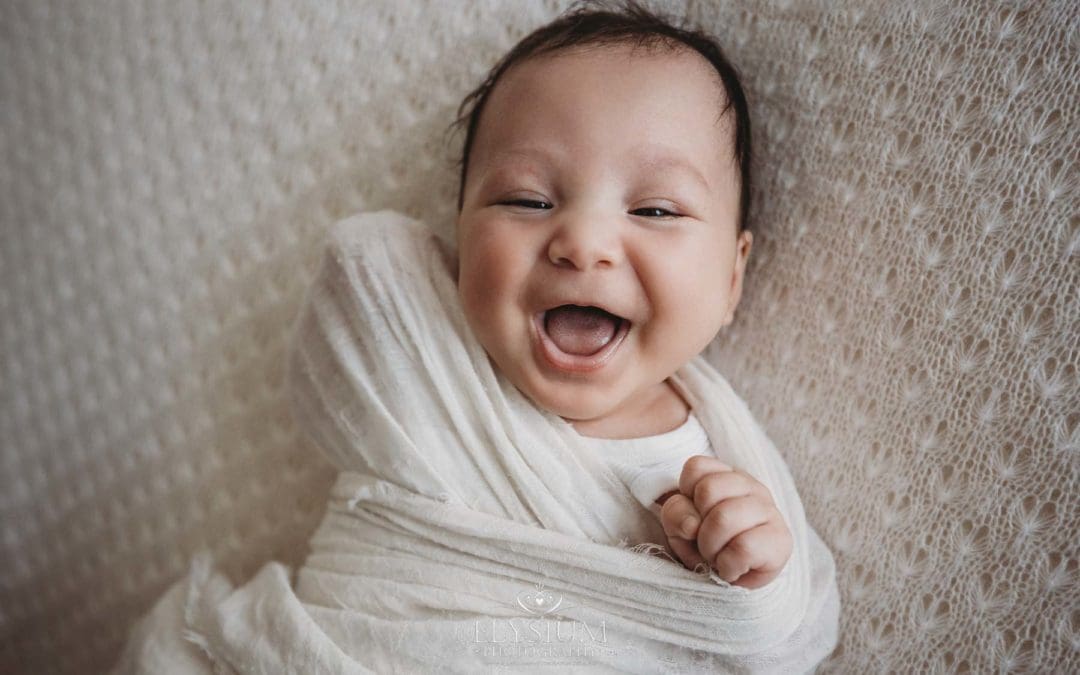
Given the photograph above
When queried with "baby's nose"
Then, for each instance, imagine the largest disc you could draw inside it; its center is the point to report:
(583, 244)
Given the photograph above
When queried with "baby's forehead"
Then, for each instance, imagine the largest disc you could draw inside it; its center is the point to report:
(692, 68)
(516, 92)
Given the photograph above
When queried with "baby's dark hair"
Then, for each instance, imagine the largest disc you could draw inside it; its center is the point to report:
(593, 23)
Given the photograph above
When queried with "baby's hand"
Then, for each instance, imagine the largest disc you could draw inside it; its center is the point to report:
(742, 534)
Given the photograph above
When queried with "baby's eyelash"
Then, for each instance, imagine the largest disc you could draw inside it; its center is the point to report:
(664, 212)
(517, 202)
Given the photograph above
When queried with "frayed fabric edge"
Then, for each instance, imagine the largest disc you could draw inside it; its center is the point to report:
(202, 578)
(658, 551)
(655, 550)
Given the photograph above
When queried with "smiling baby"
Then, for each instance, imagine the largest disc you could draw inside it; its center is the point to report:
(602, 236)
(508, 417)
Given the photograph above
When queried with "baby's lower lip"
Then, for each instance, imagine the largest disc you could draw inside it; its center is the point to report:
(575, 363)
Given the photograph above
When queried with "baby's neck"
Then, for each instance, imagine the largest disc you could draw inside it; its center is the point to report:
(664, 412)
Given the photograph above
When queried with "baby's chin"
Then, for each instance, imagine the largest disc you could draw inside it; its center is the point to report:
(574, 404)
(583, 402)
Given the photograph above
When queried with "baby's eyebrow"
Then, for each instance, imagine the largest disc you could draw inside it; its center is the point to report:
(522, 158)
(526, 158)
(526, 152)
(652, 160)
(665, 161)
(497, 174)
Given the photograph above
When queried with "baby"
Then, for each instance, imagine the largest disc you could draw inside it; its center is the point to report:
(602, 243)
(601, 229)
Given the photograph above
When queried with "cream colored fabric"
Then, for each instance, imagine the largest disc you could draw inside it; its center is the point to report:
(907, 336)
(651, 466)
(458, 497)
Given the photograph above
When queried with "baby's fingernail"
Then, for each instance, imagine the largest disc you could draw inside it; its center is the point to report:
(688, 525)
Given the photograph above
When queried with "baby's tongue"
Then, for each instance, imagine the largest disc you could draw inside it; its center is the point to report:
(580, 330)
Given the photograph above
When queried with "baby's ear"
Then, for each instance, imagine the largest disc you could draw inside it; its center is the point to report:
(742, 253)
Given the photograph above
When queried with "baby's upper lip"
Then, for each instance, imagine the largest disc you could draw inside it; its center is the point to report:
(582, 301)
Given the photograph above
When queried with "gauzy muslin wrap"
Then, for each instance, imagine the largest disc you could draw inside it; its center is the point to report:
(470, 530)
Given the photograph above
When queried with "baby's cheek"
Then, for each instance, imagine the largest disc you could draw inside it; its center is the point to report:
(488, 282)
(476, 303)
(484, 282)
(689, 303)
(485, 255)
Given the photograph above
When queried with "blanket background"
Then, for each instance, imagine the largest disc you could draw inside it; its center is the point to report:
(908, 335)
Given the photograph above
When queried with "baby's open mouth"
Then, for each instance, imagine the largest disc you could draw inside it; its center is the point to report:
(580, 338)
(580, 330)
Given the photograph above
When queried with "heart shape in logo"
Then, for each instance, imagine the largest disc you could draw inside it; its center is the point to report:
(539, 601)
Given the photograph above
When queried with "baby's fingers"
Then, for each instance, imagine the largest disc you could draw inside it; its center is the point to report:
(687, 552)
(752, 559)
(679, 517)
(728, 519)
(696, 468)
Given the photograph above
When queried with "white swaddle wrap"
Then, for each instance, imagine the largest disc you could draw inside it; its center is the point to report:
(470, 529)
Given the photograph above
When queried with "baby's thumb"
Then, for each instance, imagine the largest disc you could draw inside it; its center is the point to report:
(679, 516)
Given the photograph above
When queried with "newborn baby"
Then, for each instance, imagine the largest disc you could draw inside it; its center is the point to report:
(495, 412)
(602, 244)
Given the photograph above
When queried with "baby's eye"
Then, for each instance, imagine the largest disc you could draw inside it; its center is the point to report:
(526, 202)
(657, 212)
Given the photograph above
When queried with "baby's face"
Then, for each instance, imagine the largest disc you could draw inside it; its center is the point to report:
(577, 162)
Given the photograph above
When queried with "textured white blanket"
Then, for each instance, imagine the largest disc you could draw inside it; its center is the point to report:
(469, 528)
